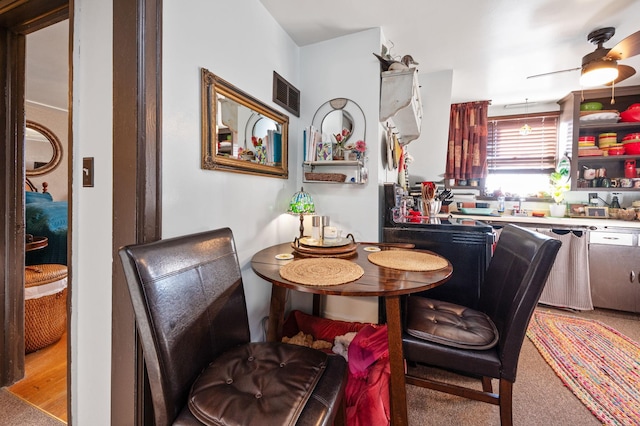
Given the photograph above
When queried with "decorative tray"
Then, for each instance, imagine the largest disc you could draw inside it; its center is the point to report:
(603, 117)
(327, 242)
(346, 250)
(590, 153)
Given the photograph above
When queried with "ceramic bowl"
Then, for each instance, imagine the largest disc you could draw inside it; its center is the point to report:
(632, 148)
(590, 106)
(607, 139)
(630, 115)
(616, 150)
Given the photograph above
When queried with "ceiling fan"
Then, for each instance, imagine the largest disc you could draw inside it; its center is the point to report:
(601, 66)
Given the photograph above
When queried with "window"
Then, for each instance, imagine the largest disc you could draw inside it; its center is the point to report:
(518, 162)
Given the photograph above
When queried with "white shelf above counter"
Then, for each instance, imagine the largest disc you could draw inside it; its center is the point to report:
(335, 171)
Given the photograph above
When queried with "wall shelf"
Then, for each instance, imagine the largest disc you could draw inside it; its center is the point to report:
(574, 128)
(335, 171)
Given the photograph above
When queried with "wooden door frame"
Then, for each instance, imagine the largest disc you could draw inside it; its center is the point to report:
(17, 18)
(137, 155)
(11, 188)
(137, 103)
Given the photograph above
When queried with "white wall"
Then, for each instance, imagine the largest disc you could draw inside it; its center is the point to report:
(346, 68)
(92, 215)
(240, 42)
(429, 151)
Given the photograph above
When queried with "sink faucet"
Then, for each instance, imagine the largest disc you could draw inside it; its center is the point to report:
(520, 211)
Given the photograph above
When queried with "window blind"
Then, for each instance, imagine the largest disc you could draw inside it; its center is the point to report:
(509, 151)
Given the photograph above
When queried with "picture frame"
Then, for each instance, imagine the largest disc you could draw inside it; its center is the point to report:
(597, 212)
(577, 210)
(324, 151)
(241, 134)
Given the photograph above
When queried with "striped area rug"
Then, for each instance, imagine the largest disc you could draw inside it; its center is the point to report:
(597, 363)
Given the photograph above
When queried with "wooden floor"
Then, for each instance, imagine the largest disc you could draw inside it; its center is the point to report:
(45, 381)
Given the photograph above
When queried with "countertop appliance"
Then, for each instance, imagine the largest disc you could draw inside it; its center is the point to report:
(466, 243)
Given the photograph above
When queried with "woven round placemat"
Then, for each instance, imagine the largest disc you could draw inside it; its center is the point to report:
(407, 260)
(321, 271)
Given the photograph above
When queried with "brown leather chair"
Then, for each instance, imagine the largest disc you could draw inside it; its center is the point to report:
(191, 314)
(483, 343)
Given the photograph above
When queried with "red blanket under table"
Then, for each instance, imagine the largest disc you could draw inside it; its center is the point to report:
(367, 392)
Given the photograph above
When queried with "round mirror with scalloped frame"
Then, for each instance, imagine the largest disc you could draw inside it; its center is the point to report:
(43, 150)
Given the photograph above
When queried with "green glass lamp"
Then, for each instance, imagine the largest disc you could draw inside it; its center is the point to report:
(301, 203)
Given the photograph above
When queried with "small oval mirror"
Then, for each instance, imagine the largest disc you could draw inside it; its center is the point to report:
(334, 122)
(43, 151)
(338, 114)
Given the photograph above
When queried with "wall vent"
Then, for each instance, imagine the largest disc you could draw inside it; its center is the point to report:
(285, 95)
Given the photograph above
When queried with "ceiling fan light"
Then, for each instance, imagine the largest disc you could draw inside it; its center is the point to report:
(598, 73)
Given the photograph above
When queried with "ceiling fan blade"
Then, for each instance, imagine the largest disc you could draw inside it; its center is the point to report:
(624, 72)
(628, 47)
(552, 72)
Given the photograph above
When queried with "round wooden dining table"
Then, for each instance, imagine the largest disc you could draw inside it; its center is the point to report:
(376, 281)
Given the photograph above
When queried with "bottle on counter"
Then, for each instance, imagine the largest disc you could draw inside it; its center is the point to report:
(615, 204)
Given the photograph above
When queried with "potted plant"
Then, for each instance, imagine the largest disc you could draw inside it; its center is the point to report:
(559, 182)
(340, 141)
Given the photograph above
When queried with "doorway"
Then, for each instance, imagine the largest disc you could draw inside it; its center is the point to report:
(46, 107)
(137, 175)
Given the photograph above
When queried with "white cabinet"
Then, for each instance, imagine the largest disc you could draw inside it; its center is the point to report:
(614, 269)
(400, 103)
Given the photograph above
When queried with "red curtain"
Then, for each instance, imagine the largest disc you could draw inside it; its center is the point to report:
(467, 151)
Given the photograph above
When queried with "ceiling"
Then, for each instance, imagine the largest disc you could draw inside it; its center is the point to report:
(490, 45)
(47, 66)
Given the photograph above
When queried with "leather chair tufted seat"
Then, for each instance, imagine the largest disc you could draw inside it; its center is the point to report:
(189, 301)
(450, 324)
(229, 386)
(460, 339)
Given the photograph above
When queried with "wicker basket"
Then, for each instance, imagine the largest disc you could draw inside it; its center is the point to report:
(326, 177)
(45, 315)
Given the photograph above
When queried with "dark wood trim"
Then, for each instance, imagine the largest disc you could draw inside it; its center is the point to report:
(12, 62)
(137, 66)
(24, 17)
(70, 159)
(17, 18)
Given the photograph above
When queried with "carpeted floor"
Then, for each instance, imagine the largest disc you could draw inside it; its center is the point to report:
(539, 396)
(16, 412)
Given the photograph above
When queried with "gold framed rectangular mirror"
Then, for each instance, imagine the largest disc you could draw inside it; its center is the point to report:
(239, 133)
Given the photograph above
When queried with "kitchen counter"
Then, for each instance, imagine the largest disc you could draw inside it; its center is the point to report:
(547, 221)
